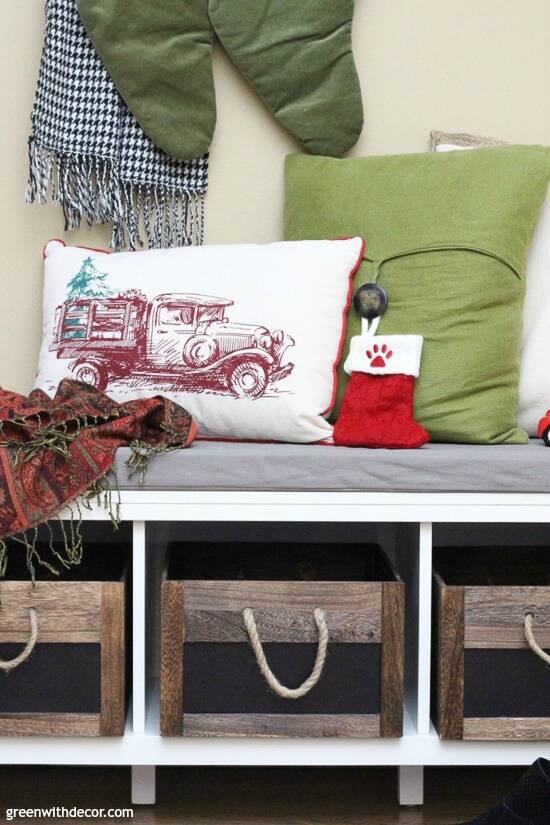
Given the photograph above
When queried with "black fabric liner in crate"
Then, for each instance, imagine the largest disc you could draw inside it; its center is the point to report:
(272, 561)
(350, 681)
(500, 683)
(57, 678)
(62, 677)
(351, 677)
(498, 566)
(509, 683)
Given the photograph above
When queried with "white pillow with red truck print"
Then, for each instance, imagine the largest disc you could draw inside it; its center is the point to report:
(245, 337)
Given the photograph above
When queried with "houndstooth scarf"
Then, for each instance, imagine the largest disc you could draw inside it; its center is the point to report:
(87, 151)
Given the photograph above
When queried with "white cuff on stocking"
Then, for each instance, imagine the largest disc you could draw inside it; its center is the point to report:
(385, 354)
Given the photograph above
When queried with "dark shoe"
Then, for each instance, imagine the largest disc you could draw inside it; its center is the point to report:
(499, 815)
(528, 802)
(531, 796)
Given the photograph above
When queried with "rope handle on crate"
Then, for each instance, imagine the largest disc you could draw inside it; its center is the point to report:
(29, 647)
(531, 641)
(267, 673)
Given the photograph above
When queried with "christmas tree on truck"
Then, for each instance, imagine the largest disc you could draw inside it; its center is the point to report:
(88, 282)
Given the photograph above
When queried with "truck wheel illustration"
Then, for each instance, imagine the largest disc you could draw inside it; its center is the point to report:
(90, 372)
(247, 378)
(200, 351)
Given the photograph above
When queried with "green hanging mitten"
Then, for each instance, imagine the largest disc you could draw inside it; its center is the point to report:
(159, 56)
(297, 56)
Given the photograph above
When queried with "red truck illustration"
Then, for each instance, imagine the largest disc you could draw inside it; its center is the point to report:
(180, 339)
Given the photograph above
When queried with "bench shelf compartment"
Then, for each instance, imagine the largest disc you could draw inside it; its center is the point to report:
(488, 683)
(63, 643)
(417, 521)
(211, 684)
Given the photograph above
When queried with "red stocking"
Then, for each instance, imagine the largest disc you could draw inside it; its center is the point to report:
(377, 408)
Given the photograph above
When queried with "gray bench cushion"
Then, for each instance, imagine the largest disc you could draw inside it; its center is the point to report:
(211, 465)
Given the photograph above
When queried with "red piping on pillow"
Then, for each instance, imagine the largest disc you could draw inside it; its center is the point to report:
(88, 248)
(344, 324)
(76, 246)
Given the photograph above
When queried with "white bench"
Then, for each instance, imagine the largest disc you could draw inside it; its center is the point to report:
(274, 484)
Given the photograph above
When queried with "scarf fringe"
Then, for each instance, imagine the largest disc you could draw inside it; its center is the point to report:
(141, 456)
(71, 552)
(90, 189)
(104, 492)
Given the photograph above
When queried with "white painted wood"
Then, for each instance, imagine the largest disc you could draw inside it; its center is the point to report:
(424, 628)
(139, 619)
(411, 785)
(147, 505)
(144, 791)
(142, 747)
(405, 555)
(151, 749)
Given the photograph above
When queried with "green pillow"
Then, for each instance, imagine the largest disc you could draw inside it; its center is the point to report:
(447, 235)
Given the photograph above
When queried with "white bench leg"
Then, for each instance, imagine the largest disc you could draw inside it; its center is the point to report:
(411, 785)
(144, 782)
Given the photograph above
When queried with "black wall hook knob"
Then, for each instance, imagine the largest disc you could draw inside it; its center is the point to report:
(370, 301)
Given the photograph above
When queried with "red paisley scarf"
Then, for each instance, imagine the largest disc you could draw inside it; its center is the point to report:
(53, 451)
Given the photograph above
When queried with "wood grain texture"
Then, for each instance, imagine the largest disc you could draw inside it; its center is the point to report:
(50, 724)
(494, 616)
(290, 595)
(451, 662)
(171, 658)
(281, 625)
(67, 611)
(277, 725)
(393, 660)
(506, 606)
(503, 637)
(212, 612)
(507, 729)
(113, 714)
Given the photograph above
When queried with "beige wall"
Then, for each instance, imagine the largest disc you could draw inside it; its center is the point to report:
(476, 65)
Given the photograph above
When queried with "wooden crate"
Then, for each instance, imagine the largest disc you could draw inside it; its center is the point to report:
(211, 684)
(73, 681)
(488, 682)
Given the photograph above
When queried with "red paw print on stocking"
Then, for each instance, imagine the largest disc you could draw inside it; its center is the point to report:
(379, 356)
